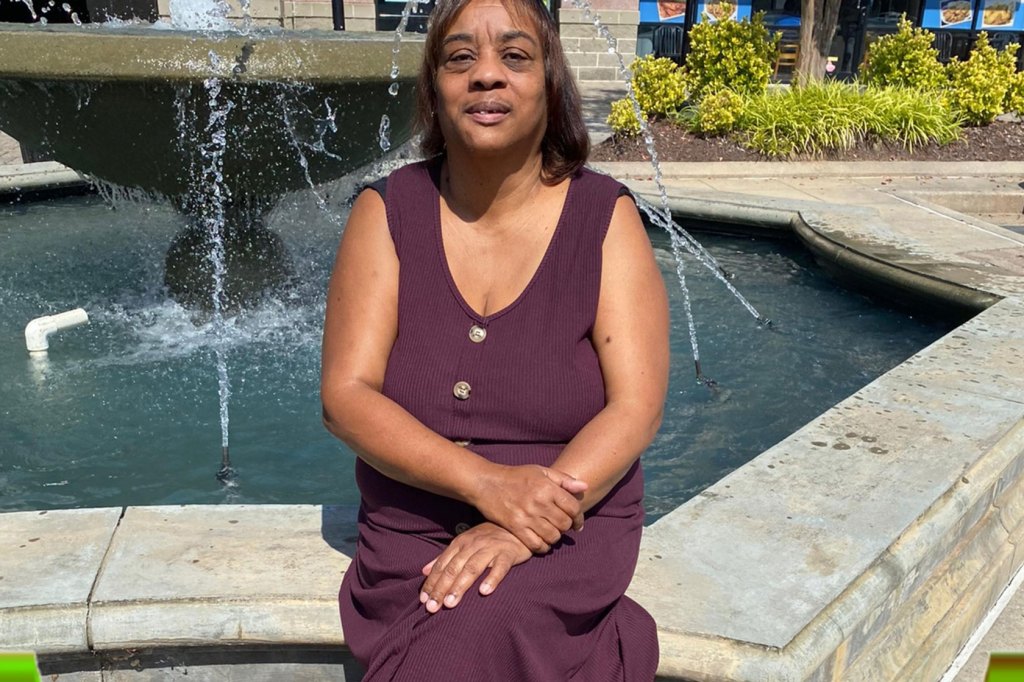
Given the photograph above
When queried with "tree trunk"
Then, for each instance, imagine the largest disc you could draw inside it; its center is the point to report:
(818, 20)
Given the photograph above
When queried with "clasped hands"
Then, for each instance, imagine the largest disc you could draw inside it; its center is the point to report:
(528, 509)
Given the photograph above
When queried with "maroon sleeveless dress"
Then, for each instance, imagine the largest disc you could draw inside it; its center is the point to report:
(517, 385)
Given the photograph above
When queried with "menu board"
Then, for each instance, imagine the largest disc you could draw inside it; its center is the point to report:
(717, 10)
(999, 15)
(978, 15)
(662, 11)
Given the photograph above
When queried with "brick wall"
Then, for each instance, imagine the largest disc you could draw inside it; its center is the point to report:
(586, 50)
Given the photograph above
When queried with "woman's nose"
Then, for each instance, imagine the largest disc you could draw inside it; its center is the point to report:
(488, 71)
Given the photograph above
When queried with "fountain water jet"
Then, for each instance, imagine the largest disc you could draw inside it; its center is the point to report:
(135, 107)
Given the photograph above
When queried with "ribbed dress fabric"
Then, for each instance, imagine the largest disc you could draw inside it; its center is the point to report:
(534, 382)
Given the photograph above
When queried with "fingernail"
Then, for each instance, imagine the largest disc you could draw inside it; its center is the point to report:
(449, 601)
(424, 597)
(486, 588)
(432, 606)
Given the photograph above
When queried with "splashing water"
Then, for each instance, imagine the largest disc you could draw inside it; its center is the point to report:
(662, 215)
(384, 133)
(385, 122)
(200, 15)
(213, 219)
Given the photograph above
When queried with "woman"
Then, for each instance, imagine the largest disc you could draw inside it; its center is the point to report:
(496, 353)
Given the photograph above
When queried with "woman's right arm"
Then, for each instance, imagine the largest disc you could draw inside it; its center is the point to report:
(359, 330)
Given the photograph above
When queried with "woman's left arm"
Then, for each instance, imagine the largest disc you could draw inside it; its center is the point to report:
(631, 335)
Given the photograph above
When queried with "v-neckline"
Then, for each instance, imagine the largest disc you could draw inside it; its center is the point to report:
(435, 182)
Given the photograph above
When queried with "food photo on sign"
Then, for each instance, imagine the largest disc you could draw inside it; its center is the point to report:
(954, 12)
(720, 11)
(998, 13)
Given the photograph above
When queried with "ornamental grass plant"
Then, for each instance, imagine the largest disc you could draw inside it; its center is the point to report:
(830, 116)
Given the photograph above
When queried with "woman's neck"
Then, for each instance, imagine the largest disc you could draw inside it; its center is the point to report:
(474, 187)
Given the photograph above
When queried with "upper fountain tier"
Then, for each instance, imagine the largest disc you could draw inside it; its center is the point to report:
(136, 106)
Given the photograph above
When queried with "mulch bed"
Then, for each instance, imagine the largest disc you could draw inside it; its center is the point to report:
(1001, 141)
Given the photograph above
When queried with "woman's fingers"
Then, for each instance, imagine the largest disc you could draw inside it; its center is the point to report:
(500, 567)
(443, 573)
(454, 571)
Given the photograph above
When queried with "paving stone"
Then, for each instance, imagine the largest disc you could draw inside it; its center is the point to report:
(222, 574)
(48, 563)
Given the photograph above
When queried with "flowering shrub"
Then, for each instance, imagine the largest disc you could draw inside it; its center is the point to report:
(718, 113)
(1014, 100)
(623, 119)
(729, 54)
(658, 86)
(905, 59)
(979, 85)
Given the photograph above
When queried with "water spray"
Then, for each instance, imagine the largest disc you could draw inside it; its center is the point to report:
(662, 215)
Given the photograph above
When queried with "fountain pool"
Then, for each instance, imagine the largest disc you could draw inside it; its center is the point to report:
(124, 411)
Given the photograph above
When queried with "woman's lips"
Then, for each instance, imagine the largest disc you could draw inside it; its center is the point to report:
(488, 113)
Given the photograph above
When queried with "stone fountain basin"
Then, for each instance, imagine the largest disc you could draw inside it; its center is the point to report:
(128, 105)
(866, 546)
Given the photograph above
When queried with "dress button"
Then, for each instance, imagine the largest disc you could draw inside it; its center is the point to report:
(477, 333)
(461, 390)
(461, 528)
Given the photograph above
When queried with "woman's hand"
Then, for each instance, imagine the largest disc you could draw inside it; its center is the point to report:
(534, 503)
(454, 571)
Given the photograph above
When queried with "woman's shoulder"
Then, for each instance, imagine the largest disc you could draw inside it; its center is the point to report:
(415, 172)
(601, 185)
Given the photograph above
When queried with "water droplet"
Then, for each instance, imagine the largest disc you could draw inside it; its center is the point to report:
(394, 71)
(384, 133)
(393, 89)
(74, 18)
(66, 7)
(42, 21)
(611, 50)
(51, 3)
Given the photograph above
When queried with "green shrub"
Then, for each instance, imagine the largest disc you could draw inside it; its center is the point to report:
(659, 89)
(718, 113)
(622, 118)
(1014, 100)
(830, 116)
(905, 59)
(733, 55)
(978, 86)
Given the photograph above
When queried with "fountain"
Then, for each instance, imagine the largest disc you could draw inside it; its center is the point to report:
(142, 594)
(220, 123)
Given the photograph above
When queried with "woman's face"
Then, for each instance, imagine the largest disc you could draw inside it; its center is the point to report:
(490, 82)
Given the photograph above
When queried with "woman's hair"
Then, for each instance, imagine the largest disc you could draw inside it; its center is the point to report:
(565, 146)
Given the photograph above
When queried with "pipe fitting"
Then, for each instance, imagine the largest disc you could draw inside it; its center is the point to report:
(37, 331)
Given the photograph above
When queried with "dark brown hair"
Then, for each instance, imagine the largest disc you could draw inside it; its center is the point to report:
(565, 146)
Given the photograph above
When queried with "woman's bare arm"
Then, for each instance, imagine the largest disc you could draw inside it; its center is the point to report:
(360, 328)
(631, 336)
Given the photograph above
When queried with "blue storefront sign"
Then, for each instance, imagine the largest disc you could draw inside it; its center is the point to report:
(973, 15)
(662, 11)
(674, 11)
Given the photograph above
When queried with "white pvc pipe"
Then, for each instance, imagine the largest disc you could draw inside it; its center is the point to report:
(37, 331)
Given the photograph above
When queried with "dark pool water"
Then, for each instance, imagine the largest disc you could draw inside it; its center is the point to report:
(124, 411)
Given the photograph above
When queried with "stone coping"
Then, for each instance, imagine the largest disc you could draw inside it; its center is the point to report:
(93, 52)
(866, 545)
